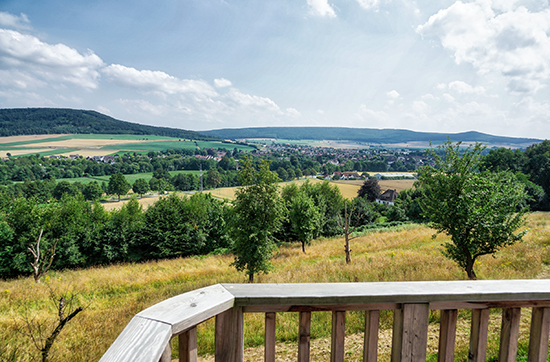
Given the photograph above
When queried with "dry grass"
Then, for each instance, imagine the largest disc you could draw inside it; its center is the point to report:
(88, 152)
(113, 294)
(4, 154)
(30, 138)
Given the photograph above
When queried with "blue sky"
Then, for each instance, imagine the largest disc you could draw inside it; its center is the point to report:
(441, 66)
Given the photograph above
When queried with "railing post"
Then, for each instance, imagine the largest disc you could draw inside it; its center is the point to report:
(447, 335)
(188, 346)
(478, 335)
(370, 346)
(304, 336)
(509, 334)
(338, 336)
(167, 354)
(230, 336)
(270, 331)
(410, 333)
(540, 330)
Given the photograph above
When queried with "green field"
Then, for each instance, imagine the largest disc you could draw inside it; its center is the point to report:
(165, 145)
(130, 178)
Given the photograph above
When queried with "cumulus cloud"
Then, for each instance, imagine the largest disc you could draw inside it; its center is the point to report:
(293, 112)
(393, 94)
(369, 4)
(13, 21)
(36, 61)
(321, 8)
(222, 83)
(155, 81)
(462, 87)
(497, 36)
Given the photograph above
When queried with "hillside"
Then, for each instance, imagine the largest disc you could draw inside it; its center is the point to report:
(34, 121)
(365, 135)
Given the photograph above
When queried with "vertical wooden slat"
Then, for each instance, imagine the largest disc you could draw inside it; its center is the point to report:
(540, 330)
(167, 354)
(370, 347)
(447, 335)
(269, 343)
(188, 346)
(303, 344)
(410, 333)
(338, 336)
(230, 336)
(509, 334)
(478, 335)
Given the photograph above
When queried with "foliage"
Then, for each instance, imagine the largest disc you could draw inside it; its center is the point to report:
(479, 211)
(330, 203)
(92, 191)
(304, 217)
(370, 189)
(258, 215)
(140, 186)
(118, 185)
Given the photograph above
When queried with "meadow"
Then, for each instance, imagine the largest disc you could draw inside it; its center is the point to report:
(112, 295)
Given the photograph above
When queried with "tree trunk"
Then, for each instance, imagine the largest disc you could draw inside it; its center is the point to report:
(347, 249)
(251, 278)
(470, 268)
(304, 246)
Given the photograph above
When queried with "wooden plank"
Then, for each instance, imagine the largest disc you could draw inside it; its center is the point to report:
(447, 335)
(270, 334)
(167, 354)
(304, 336)
(188, 346)
(370, 346)
(540, 331)
(319, 308)
(189, 309)
(410, 333)
(229, 340)
(141, 340)
(478, 335)
(509, 334)
(338, 336)
(301, 294)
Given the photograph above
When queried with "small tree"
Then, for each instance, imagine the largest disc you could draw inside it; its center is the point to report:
(42, 260)
(370, 189)
(141, 186)
(213, 178)
(346, 225)
(479, 211)
(304, 218)
(118, 185)
(92, 191)
(258, 215)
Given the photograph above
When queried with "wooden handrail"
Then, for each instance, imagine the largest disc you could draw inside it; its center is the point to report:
(147, 336)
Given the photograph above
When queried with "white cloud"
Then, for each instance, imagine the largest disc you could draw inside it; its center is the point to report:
(293, 112)
(33, 62)
(448, 97)
(155, 81)
(420, 107)
(462, 87)
(248, 100)
(393, 94)
(500, 37)
(13, 21)
(321, 8)
(222, 82)
(369, 4)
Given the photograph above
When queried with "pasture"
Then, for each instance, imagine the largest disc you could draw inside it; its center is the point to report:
(112, 294)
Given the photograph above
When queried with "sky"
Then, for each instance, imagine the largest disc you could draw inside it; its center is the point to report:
(437, 66)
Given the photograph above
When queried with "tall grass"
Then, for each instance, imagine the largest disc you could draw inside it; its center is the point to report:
(113, 295)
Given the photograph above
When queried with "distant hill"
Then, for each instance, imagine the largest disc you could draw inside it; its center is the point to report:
(30, 121)
(365, 135)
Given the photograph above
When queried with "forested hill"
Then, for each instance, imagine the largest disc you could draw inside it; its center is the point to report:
(367, 135)
(28, 121)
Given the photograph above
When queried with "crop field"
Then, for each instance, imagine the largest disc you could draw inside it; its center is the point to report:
(112, 295)
(100, 145)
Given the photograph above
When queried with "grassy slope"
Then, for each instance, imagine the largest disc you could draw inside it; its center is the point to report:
(113, 294)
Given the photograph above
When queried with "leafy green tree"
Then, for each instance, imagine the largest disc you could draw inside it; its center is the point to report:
(62, 188)
(479, 211)
(329, 200)
(92, 191)
(213, 178)
(258, 214)
(141, 186)
(370, 189)
(304, 218)
(118, 185)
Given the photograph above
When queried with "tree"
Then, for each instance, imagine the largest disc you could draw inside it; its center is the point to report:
(92, 191)
(42, 261)
(213, 178)
(141, 186)
(345, 223)
(304, 218)
(479, 211)
(370, 189)
(118, 185)
(258, 215)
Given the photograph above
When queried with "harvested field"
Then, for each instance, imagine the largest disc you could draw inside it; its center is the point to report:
(29, 138)
(88, 152)
(26, 151)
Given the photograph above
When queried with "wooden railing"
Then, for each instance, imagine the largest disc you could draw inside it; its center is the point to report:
(147, 336)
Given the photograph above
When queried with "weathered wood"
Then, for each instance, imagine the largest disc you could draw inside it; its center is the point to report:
(304, 336)
(319, 308)
(410, 333)
(189, 309)
(229, 343)
(540, 331)
(447, 335)
(141, 340)
(509, 334)
(167, 354)
(338, 336)
(370, 346)
(187, 347)
(270, 331)
(478, 335)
